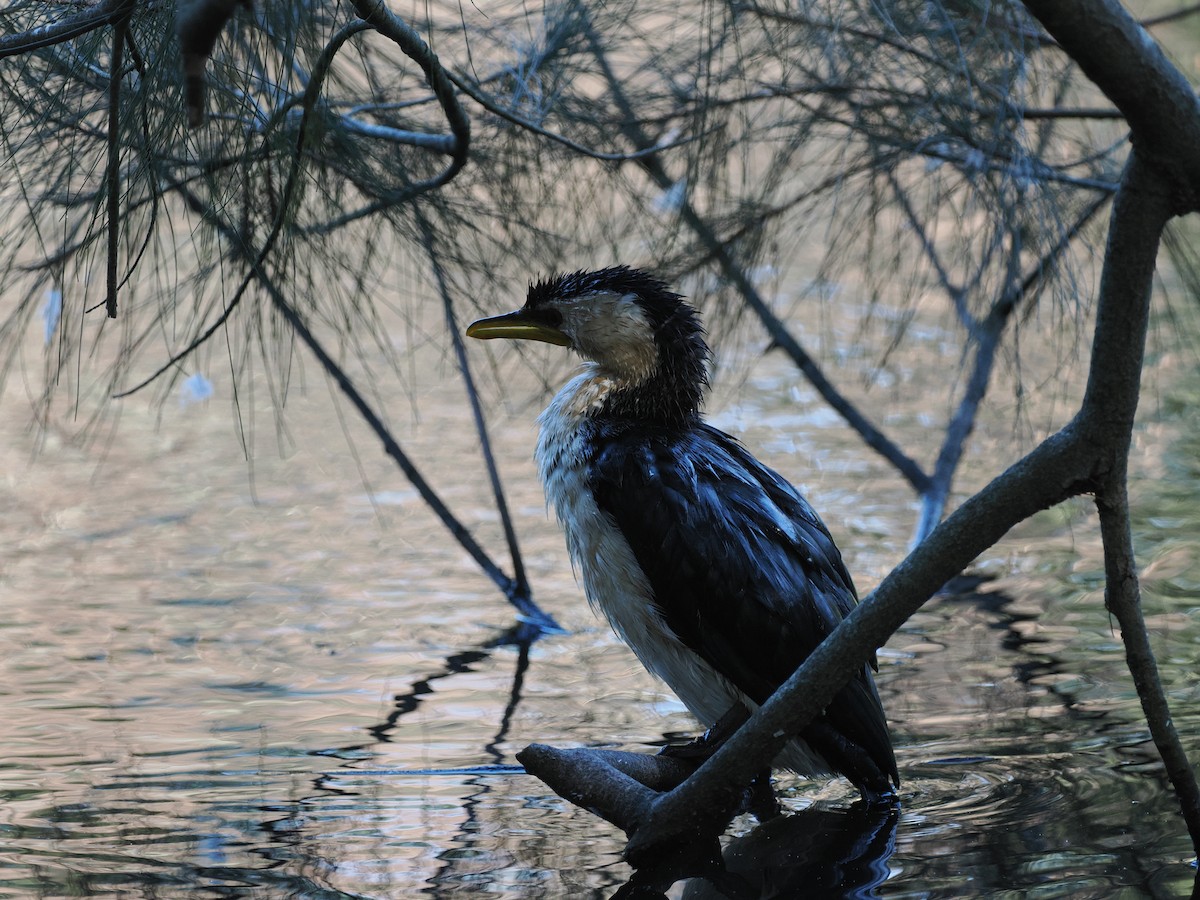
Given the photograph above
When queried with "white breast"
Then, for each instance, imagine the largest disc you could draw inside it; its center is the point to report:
(603, 561)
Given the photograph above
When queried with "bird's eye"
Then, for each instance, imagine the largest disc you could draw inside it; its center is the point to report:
(547, 315)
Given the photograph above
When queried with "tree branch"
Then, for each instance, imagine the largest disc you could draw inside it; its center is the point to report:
(986, 337)
(378, 16)
(113, 168)
(1128, 65)
(1122, 597)
(1140, 214)
(105, 13)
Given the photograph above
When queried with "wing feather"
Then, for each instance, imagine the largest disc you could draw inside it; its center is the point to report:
(741, 567)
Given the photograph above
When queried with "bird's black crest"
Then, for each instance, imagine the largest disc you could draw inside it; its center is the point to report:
(619, 279)
(659, 301)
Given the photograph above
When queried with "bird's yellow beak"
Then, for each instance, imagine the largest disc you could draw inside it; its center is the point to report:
(518, 325)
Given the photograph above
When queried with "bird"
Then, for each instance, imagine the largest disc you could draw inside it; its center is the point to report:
(708, 564)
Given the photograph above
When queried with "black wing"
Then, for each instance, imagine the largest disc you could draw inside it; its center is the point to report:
(743, 570)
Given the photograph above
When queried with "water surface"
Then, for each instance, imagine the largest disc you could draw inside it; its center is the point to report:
(284, 679)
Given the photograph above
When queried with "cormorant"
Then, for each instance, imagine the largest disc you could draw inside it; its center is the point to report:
(709, 565)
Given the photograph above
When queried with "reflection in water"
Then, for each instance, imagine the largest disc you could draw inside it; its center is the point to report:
(816, 852)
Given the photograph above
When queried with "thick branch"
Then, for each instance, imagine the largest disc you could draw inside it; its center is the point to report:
(1140, 214)
(1126, 63)
(1122, 597)
(613, 784)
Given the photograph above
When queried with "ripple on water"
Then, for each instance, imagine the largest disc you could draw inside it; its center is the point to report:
(208, 697)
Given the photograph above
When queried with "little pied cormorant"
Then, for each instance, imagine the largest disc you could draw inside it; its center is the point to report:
(708, 564)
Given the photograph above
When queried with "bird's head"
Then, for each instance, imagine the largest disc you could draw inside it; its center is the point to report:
(629, 323)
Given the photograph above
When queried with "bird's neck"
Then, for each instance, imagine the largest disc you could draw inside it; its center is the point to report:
(661, 398)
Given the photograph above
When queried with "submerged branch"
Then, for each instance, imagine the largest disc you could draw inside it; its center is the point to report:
(519, 591)
(1122, 597)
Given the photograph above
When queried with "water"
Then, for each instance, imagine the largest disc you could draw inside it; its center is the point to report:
(285, 680)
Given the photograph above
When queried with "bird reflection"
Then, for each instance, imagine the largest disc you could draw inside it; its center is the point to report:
(819, 852)
(816, 853)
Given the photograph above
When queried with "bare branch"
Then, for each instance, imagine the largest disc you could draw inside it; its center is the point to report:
(986, 337)
(618, 787)
(1128, 65)
(308, 102)
(383, 20)
(390, 445)
(104, 13)
(1139, 216)
(113, 172)
(496, 109)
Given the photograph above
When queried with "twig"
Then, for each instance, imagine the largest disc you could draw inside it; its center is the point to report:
(113, 172)
(1064, 112)
(986, 336)
(956, 293)
(383, 20)
(519, 594)
(312, 92)
(1182, 13)
(497, 110)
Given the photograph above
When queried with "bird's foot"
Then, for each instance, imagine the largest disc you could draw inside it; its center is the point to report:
(697, 749)
(710, 742)
(759, 798)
